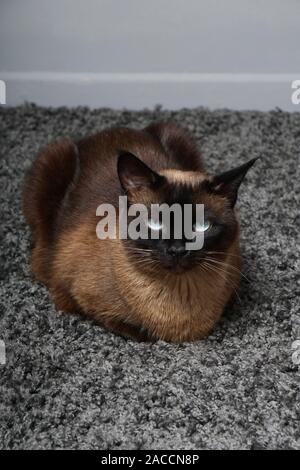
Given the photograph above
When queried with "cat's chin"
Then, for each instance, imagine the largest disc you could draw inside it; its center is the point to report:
(179, 270)
(176, 268)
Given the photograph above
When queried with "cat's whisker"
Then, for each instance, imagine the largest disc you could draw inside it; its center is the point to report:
(230, 266)
(226, 272)
(220, 272)
(223, 253)
(145, 250)
(217, 269)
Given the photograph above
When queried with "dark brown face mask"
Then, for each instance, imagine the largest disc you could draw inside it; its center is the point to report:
(218, 195)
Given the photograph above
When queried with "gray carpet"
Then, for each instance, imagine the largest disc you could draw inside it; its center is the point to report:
(70, 384)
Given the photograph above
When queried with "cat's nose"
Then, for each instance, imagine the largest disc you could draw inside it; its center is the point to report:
(177, 250)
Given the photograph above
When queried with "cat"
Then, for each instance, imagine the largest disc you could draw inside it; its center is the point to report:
(143, 289)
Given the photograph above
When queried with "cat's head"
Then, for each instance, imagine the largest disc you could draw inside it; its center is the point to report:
(219, 227)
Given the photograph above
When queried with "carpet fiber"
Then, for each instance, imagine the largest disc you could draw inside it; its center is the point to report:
(67, 383)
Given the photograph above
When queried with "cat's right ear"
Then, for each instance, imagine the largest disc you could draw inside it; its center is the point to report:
(228, 183)
(135, 174)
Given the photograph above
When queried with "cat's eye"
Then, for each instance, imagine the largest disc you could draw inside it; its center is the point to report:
(202, 227)
(155, 224)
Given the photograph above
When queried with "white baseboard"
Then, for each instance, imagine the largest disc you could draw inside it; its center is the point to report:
(139, 90)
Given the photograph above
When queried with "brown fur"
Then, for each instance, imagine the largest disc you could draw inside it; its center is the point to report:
(97, 277)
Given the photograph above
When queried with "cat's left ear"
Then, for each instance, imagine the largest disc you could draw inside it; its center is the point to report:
(135, 174)
(228, 183)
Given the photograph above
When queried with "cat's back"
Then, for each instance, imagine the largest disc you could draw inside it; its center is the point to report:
(98, 154)
(163, 145)
(69, 180)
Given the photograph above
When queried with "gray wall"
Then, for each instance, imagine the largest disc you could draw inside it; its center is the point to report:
(135, 53)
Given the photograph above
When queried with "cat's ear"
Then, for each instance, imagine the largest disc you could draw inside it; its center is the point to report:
(135, 174)
(228, 183)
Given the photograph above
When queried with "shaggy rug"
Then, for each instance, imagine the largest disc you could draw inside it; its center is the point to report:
(69, 384)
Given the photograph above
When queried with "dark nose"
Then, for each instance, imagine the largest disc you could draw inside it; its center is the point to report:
(177, 250)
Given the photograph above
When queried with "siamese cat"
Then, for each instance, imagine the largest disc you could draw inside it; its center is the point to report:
(145, 289)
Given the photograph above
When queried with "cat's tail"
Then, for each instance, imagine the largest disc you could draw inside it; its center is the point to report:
(45, 186)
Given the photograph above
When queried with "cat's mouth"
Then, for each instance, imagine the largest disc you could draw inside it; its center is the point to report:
(171, 261)
(177, 263)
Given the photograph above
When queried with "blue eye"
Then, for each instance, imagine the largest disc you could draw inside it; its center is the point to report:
(198, 227)
(155, 224)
